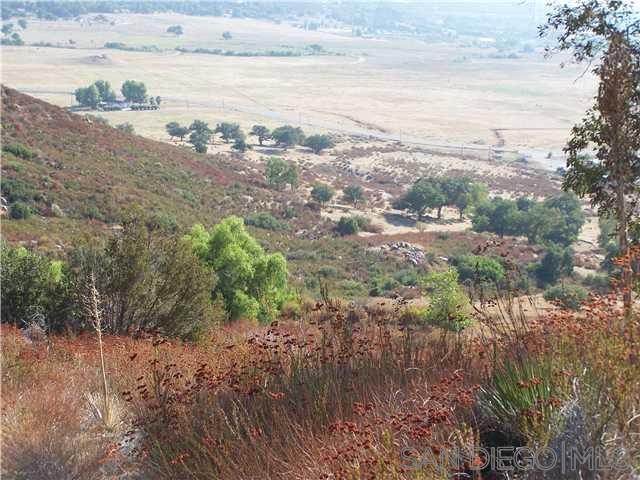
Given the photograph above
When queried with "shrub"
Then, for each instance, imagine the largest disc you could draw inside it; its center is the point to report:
(126, 128)
(569, 296)
(519, 388)
(279, 173)
(146, 281)
(317, 143)
(19, 150)
(449, 307)
(266, 221)
(348, 226)
(351, 288)
(30, 285)
(354, 224)
(15, 190)
(20, 211)
(479, 268)
(327, 271)
(252, 284)
(557, 262)
(353, 194)
(599, 282)
(322, 193)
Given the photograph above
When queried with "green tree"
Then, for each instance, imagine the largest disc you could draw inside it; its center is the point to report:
(288, 136)
(88, 96)
(353, 194)
(462, 193)
(424, 194)
(607, 35)
(176, 30)
(105, 91)
(279, 173)
(322, 193)
(252, 283)
(23, 23)
(174, 129)
(556, 263)
(317, 143)
(227, 35)
(261, 132)
(352, 225)
(240, 144)
(7, 28)
(558, 219)
(200, 135)
(135, 92)
(228, 131)
(200, 126)
(449, 307)
(500, 216)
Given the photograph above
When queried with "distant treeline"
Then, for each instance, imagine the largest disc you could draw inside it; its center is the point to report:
(364, 17)
(310, 50)
(70, 9)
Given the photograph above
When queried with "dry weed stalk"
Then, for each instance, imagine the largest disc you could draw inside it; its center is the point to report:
(91, 303)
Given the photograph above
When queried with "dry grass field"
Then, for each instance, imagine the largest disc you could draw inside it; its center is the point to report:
(425, 92)
(429, 91)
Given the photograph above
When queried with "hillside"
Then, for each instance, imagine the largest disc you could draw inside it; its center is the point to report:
(79, 174)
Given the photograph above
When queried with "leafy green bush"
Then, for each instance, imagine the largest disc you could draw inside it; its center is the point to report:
(266, 221)
(556, 220)
(15, 190)
(251, 283)
(407, 277)
(354, 224)
(478, 268)
(449, 307)
(20, 211)
(322, 193)
(303, 255)
(279, 173)
(19, 150)
(351, 289)
(569, 296)
(30, 285)
(599, 282)
(557, 262)
(348, 226)
(383, 286)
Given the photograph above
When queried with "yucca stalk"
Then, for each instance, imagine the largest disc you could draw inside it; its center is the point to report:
(94, 312)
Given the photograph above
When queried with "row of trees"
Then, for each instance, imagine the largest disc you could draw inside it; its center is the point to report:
(284, 137)
(430, 193)
(147, 278)
(201, 135)
(101, 91)
(557, 219)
